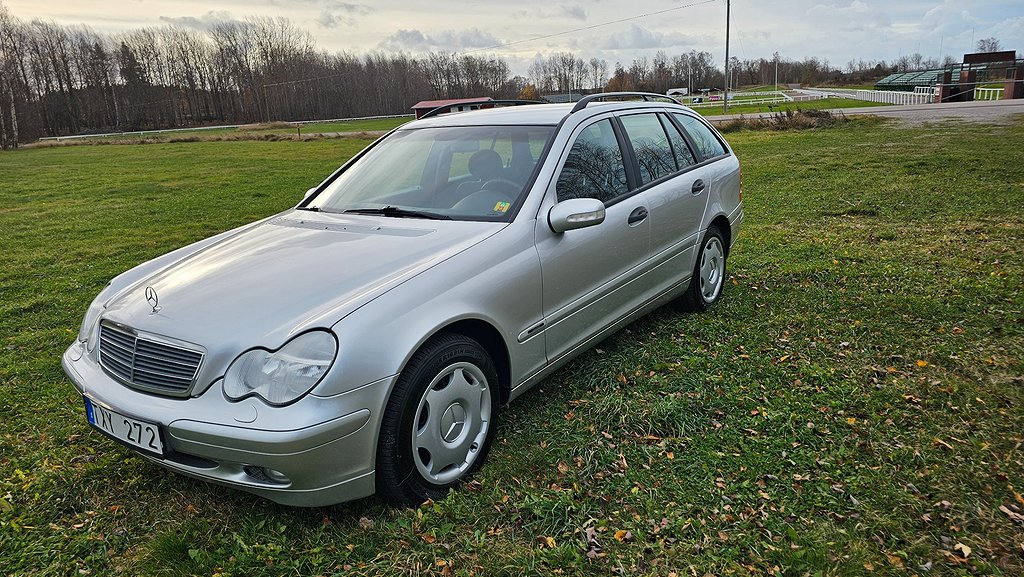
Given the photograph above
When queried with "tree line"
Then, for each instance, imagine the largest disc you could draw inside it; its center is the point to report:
(61, 80)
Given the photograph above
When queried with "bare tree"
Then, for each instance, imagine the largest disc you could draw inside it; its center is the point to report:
(990, 44)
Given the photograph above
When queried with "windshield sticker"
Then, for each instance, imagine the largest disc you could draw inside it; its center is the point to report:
(502, 206)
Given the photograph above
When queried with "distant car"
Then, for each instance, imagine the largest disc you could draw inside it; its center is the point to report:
(366, 340)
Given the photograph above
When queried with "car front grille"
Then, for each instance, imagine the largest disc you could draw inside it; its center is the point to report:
(146, 363)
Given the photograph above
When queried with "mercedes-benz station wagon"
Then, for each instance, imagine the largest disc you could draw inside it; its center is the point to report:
(366, 340)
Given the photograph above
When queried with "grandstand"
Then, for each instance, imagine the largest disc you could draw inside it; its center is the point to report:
(909, 81)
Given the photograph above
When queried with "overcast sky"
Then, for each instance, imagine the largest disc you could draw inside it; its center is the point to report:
(616, 30)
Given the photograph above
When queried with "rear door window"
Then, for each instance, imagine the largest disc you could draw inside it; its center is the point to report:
(681, 150)
(651, 146)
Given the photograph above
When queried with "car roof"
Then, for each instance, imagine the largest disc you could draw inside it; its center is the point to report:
(532, 114)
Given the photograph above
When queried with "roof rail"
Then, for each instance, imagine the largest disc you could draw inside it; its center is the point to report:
(647, 96)
(447, 107)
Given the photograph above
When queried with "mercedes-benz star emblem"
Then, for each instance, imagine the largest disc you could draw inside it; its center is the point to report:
(152, 299)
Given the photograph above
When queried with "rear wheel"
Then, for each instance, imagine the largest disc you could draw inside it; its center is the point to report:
(708, 278)
(439, 422)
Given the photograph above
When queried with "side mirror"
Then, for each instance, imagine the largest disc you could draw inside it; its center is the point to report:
(308, 192)
(575, 213)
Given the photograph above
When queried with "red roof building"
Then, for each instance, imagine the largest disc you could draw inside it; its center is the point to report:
(453, 104)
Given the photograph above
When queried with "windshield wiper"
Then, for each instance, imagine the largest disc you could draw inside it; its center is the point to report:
(309, 208)
(399, 212)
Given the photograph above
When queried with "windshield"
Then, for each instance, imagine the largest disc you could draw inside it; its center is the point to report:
(461, 173)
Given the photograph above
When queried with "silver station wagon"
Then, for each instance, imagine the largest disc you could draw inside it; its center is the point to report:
(366, 340)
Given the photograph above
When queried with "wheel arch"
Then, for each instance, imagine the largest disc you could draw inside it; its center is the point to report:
(491, 340)
(722, 224)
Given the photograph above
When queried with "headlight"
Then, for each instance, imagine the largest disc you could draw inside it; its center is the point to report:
(279, 377)
(88, 329)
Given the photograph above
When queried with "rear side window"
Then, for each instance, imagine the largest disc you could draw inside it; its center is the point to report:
(594, 167)
(650, 143)
(706, 142)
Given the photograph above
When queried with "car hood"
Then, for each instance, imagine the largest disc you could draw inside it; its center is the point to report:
(282, 276)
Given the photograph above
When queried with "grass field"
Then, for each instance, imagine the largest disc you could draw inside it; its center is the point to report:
(854, 405)
(280, 130)
(738, 107)
(261, 131)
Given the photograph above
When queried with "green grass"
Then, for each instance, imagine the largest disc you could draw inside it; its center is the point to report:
(737, 107)
(854, 405)
(261, 131)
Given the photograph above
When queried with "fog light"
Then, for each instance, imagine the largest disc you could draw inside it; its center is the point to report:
(265, 475)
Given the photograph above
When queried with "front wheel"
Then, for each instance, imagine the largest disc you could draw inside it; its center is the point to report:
(708, 273)
(439, 421)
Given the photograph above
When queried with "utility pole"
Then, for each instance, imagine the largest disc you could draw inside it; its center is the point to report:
(776, 72)
(689, 77)
(725, 107)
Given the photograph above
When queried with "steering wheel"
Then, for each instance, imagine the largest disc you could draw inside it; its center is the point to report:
(504, 186)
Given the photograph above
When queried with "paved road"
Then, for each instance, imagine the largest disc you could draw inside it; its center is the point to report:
(990, 112)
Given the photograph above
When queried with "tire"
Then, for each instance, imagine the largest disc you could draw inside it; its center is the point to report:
(439, 422)
(708, 278)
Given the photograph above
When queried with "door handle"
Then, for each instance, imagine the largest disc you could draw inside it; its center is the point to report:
(638, 215)
(698, 186)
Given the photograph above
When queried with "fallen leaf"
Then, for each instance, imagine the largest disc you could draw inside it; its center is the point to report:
(894, 559)
(548, 542)
(366, 522)
(593, 545)
(921, 363)
(1016, 517)
(869, 566)
(622, 536)
(963, 549)
(428, 538)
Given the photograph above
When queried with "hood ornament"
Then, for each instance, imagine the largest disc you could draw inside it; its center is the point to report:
(153, 299)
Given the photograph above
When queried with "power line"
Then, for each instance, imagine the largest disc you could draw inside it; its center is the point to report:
(591, 27)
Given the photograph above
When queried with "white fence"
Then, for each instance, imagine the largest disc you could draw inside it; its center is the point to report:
(745, 98)
(988, 93)
(883, 96)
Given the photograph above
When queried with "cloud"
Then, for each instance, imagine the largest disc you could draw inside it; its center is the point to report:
(637, 37)
(575, 11)
(570, 11)
(338, 13)
(446, 40)
(203, 22)
(856, 16)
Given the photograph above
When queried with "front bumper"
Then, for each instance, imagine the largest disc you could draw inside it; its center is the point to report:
(324, 446)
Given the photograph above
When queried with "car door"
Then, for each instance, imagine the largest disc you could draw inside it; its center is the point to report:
(591, 275)
(676, 190)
